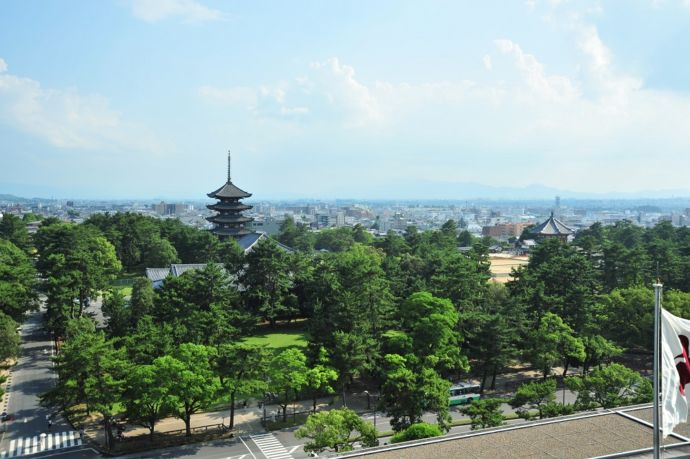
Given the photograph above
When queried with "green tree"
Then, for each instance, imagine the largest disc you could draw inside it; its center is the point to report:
(141, 302)
(611, 386)
(598, 350)
(352, 307)
(76, 261)
(117, 313)
(295, 235)
(349, 357)
(492, 332)
(146, 397)
(540, 287)
(320, 377)
(149, 340)
(203, 307)
(288, 374)
(13, 229)
(626, 317)
(267, 282)
(334, 240)
(485, 413)
(336, 429)
(242, 369)
(193, 385)
(553, 343)
(536, 395)
(90, 371)
(430, 323)
(158, 252)
(17, 281)
(9, 338)
(409, 391)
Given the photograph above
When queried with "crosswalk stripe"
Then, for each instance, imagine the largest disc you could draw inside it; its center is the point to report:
(44, 442)
(270, 446)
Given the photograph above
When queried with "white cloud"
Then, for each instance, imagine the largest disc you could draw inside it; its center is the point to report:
(187, 10)
(66, 118)
(328, 93)
(552, 87)
(569, 131)
(487, 62)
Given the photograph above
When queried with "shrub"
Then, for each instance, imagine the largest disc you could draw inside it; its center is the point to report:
(416, 432)
(553, 409)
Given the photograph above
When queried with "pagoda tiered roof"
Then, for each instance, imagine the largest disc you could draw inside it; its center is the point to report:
(229, 218)
(234, 232)
(220, 206)
(229, 191)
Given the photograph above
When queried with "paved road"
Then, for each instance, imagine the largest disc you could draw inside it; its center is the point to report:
(33, 375)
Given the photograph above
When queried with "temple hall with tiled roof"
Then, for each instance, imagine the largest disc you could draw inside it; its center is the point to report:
(552, 227)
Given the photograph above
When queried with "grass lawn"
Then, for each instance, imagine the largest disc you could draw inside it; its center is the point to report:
(279, 341)
(124, 290)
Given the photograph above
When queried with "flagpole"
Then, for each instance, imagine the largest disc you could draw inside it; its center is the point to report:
(657, 376)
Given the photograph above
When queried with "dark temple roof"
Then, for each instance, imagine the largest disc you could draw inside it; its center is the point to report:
(552, 227)
(229, 191)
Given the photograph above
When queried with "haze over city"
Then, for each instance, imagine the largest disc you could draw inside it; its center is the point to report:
(141, 99)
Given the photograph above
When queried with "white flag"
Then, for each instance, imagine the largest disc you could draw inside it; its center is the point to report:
(675, 370)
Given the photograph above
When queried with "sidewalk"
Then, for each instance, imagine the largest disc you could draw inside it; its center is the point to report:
(247, 420)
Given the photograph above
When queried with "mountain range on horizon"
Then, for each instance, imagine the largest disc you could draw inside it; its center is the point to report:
(416, 191)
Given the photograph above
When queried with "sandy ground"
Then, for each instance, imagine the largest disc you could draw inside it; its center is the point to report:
(502, 265)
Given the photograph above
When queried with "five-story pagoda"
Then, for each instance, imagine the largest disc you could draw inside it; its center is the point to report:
(229, 221)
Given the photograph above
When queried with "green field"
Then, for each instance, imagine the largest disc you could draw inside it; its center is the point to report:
(279, 341)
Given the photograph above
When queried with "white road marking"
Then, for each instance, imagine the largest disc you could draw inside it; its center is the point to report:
(293, 449)
(44, 442)
(270, 446)
(245, 445)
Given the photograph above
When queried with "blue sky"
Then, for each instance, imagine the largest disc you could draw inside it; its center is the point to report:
(142, 98)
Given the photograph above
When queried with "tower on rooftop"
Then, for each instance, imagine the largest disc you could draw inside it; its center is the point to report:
(229, 221)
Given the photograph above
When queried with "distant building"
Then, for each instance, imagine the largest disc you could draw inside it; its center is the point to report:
(266, 225)
(163, 208)
(229, 221)
(504, 230)
(552, 228)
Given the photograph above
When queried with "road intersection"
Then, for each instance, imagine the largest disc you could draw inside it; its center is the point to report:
(33, 428)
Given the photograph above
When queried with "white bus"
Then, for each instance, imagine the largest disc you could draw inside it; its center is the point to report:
(463, 393)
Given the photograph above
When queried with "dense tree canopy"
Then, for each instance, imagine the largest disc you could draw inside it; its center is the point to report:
(17, 281)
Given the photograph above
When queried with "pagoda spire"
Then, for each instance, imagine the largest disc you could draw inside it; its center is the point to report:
(229, 162)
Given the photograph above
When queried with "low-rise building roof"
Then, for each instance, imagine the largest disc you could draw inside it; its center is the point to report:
(608, 433)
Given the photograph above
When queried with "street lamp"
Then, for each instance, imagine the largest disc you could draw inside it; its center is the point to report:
(369, 406)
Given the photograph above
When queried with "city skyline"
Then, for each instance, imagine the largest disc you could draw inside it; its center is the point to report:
(137, 99)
